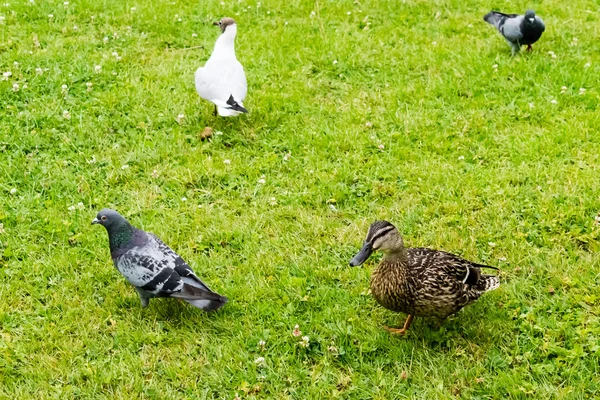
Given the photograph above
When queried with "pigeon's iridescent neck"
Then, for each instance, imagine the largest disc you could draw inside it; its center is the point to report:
(119, 236)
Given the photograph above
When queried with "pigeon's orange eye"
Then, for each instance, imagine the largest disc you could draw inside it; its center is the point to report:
(104, 218)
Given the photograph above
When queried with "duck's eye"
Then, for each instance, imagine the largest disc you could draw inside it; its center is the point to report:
(104, 218)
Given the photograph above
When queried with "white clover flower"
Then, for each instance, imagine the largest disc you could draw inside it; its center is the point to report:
(184, 199)
(551, 53)
(66, 3)
(115, 54)
(132, 9)
(125, 166)
(194, 35)
(495, 66)
(227, 162)
(105, 40)
(587, 65)
(531, 105)
(180, 118)
(349, 12)
(89, 86)
(553, 101)
(259, 361)
(71, 208)
(50, 16)
(305, 342)
(262, 181)
(2, 230)
(2, 18)
(80, 206)
(287, 156)
(563, 89)
(368, 124)
(13, 191)
(491, 244)
(154, 174)
(312, 14)
(98, 69)
(502, 259)
(381, 147)
(461, 158)
(273, 201)
(6, 75)
(262, 344)
(66, 114)
(218, 133)
(334, 62)
(581, 91)
(15, 87)
(434, 43)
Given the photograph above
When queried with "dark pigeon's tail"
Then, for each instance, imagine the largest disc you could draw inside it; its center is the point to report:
(497, 18)
(233, 105)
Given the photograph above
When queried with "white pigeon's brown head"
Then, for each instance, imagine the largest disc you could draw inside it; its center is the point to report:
(224, 23)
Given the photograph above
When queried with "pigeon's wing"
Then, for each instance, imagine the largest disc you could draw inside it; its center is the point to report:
(179, 265)
(511, 29)
(217, 83)
(146, 271)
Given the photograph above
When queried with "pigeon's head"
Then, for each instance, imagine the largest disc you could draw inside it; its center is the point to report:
(109, 219)
(530, 16)
(382, 236)
(224, 23)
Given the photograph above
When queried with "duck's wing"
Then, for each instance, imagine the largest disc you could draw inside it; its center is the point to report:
(448, 266)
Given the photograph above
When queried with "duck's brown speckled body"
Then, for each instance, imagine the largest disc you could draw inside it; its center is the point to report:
(420, 281)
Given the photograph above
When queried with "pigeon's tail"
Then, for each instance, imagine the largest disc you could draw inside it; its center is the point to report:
(208, 305)
(206, 300)
(495, 18)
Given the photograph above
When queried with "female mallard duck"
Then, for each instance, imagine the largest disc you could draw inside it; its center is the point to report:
(418, 281)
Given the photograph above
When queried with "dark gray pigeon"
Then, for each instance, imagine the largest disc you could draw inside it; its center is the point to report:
(518, 30)
(152, 267)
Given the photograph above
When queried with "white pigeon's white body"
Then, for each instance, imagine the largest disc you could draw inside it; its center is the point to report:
(223, 77)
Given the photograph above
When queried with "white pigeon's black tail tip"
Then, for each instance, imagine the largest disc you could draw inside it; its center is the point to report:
(209, 305)
(234, 105)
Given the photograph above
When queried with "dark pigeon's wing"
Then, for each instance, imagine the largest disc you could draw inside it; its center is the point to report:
(179, 265)
(511, 29)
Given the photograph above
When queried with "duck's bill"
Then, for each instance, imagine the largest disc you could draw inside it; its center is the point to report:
(362, 255)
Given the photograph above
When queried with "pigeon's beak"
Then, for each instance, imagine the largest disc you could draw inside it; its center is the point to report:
(95, 221)
(531, 20)
(362, 255)
(216, 23)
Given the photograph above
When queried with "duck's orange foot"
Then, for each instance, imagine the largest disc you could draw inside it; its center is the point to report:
(396, 331)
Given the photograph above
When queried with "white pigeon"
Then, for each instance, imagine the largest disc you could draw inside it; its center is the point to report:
(222, 80)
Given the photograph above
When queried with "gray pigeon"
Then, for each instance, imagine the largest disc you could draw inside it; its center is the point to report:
(152, 267)
(518, 30)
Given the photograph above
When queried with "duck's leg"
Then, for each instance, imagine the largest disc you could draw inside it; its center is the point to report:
(404, 329)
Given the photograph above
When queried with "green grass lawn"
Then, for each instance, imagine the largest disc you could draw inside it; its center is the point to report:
(413, 112)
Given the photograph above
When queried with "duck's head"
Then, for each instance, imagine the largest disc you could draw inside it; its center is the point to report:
(530, 16)
(382, 236)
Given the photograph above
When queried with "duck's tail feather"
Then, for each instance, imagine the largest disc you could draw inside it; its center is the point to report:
(489, 283)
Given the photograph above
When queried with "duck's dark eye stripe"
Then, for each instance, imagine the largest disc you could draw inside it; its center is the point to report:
(380, 233)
